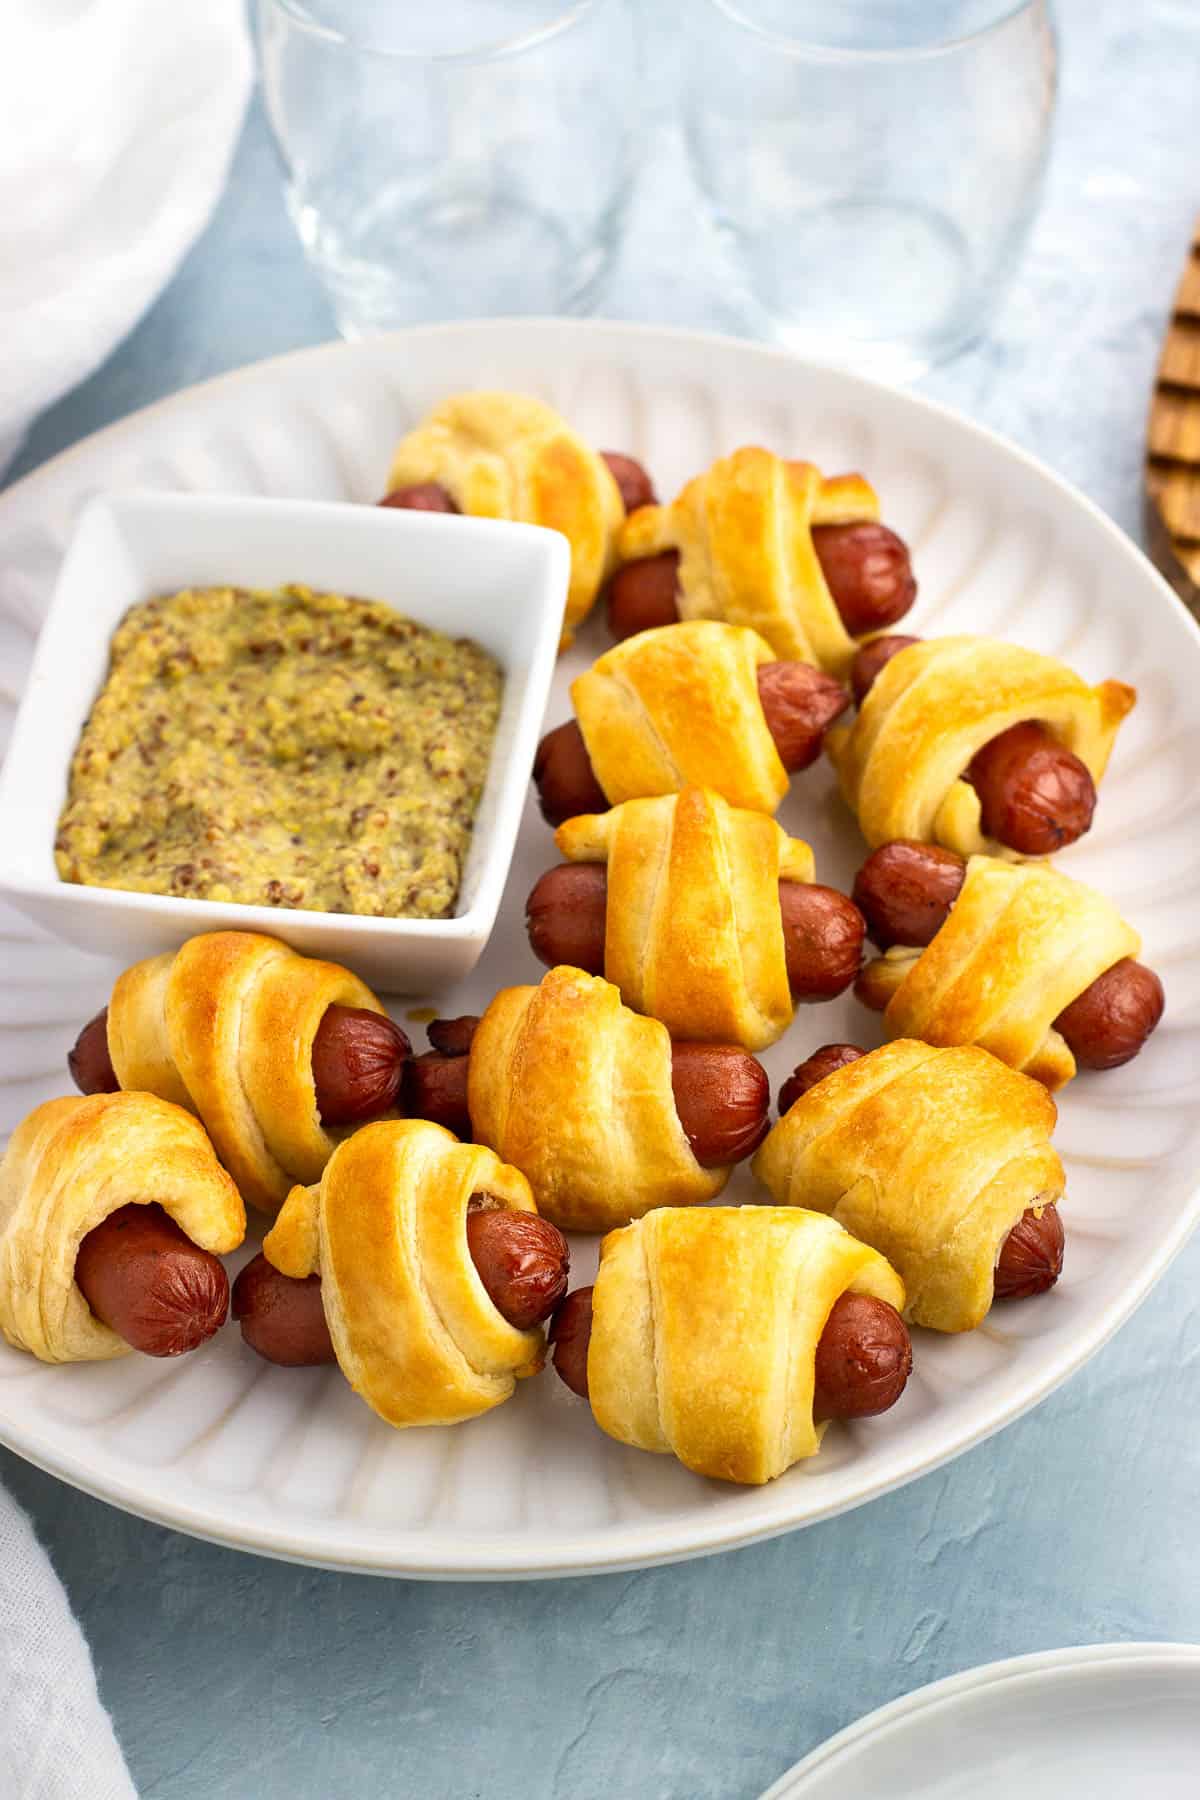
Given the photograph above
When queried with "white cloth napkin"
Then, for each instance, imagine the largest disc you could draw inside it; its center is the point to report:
(56, 1741)
(118, 119)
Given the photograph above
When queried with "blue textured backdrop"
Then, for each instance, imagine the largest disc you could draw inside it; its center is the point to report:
(247, 1679)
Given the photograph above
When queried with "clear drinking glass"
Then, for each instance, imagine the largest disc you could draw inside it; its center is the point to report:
(452, 158)
(874, 165)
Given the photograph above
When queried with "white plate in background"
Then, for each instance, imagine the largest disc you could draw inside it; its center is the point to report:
(288, 1462)
(1104, 1722)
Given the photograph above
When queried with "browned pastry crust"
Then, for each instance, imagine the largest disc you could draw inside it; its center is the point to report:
(1021, 943)
(509, 456)
(930, 1155)
(679, 706)
(902, 762)
(744, 533)
(575, 1089)
(705, 1326)
(225, 1026)
(413, 1328)
(69, 1165)
(693, 933)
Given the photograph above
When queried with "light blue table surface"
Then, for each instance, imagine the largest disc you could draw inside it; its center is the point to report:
(234, 1677)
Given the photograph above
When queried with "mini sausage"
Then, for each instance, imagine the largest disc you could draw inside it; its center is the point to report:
(566, 912)
(453, 1036)
(89, 1061)
(868, 572)
(905, 891)
(813, 1069)
(521, 1259)
(1031, 1256)
(565, 916)
(644, 594)
(435, 1084)
(636, 487)
(146, 1280)
(282, 1317)
(564, 778)
(863, 1358)
(799, 704)
(424, 496)
(570, 1335)
(358, 1059)
(1035, 795)
(723, 1098)
(871, 658)
(863, 1361)
(435, 1088)
(1112, 1018)
(866, 568)
(721, 1095)
(823, 936)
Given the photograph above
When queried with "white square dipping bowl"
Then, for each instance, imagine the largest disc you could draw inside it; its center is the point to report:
(502, 585)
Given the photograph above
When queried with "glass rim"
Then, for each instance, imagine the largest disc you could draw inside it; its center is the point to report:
(564, 20)
(793, 46)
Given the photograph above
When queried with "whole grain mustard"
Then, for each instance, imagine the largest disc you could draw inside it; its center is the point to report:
(289, 748)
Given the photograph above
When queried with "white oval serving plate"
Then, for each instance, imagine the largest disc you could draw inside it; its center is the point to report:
(1122, 1720)
(290, 1463)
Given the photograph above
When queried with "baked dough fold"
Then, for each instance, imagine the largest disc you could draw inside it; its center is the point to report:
(509, 456)
(575, 1090)
(693, 933)
(69, 1165)
(1022, 941)
(933, 705)
(743, 530)
(930, 1155)
(413, 1328)
(679, 705)
(705, 1328)
(225, 1026)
